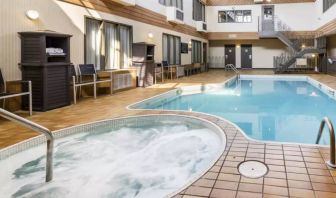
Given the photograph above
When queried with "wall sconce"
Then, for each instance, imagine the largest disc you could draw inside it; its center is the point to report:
(150, 35)
(313, 55)
(32, 14)
(190, 45)
(303, 46)
(238, 46)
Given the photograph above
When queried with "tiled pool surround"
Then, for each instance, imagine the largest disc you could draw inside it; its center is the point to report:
(295, 170)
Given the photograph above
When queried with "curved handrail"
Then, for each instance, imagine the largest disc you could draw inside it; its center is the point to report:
(38, 128)
(234, 69)
(327, 121)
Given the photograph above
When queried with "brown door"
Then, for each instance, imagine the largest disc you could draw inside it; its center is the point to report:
(230, 54)
(246, 56)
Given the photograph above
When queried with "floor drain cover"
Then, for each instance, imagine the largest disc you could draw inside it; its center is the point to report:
(252, 169)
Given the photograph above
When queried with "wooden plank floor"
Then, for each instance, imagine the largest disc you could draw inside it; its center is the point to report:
(106, 106)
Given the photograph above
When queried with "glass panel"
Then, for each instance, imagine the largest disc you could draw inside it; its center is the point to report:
(165, 48)
(230, 16)
(247, 16)
(163, 2)
(93, 42)
(171, 50)
(112, 46)
(238, 16)
(268, 13)
(125, 60)
(221, 17)
(177, 50)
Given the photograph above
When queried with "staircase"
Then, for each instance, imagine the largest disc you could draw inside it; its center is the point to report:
(298, 45)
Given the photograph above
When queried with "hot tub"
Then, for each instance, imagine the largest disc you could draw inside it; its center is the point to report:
(144, 156)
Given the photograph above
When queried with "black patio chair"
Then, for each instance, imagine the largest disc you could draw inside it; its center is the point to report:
(26, 89)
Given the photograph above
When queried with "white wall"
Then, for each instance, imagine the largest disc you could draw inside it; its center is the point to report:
(324, 18)
(298, 16)
(69, 19)
(263, 51)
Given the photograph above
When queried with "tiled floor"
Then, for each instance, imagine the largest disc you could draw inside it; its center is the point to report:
(295, 170)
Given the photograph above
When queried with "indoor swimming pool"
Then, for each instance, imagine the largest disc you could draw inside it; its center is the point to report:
(266, 108)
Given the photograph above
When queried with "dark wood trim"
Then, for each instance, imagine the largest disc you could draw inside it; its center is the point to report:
(251, 2)
(328, 28)
(137, 13)
(233, 35)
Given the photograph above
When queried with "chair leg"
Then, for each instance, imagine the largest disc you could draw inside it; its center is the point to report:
(94, 87)
(3, 103)
(74, 90)
(111, 84)
(30, 99)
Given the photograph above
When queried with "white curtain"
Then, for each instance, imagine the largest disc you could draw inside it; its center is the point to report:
(165, 48)
(196, 55)
(177, 50)
(93, 42)
(112, 47)
(171, 50)
(125, 50)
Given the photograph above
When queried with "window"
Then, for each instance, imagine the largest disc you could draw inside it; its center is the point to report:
(235, 16)
(327, 4)
(196, 52)
(175, 3)
(198, 10)
(171, 49)
(107, 44)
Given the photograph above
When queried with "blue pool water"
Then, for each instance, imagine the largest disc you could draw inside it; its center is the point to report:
(269, 109)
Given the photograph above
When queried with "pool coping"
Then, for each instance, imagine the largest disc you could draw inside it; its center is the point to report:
(317, 84)
(39, 140)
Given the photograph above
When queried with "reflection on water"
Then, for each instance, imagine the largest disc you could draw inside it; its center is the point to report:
(266, 109)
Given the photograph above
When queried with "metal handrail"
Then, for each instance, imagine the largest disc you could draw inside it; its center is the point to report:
(326, 120)
(234, 69)
(38, 128)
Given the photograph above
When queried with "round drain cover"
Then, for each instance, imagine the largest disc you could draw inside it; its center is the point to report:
(252, 169)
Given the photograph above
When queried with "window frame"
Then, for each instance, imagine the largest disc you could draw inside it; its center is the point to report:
(201, 50)
(327, 4)
(202, 11)
(168, 48)
(102, 21)
(168, 3)
(234, 20)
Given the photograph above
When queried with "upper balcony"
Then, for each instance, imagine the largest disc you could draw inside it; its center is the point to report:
(125, 2)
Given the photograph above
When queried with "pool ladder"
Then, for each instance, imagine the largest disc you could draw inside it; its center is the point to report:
(40, 129)
(234, 69)
(331, 163)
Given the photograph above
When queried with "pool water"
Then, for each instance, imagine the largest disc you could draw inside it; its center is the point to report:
(150, 161)
(268, 109)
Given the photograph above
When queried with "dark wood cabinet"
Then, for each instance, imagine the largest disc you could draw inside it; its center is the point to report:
(143, 61)
(48, 71)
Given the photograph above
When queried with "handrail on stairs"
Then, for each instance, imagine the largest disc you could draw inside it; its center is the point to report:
(40, 129)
